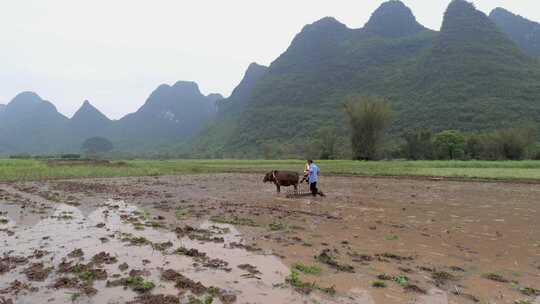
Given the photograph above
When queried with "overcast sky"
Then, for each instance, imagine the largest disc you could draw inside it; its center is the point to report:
(115, 52)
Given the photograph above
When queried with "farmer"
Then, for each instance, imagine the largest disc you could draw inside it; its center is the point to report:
(313, 176)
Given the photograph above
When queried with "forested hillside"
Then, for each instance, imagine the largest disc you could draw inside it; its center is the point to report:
(523, 32)
(469, 76)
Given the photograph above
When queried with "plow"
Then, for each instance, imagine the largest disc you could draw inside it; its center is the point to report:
(302, 191)
(297, 194)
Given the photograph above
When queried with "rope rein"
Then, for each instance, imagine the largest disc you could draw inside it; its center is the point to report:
(275, 178)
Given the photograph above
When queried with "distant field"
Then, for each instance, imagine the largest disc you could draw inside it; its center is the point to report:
(13, 170)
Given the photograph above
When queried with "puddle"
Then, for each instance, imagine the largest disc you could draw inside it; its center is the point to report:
(65, 228)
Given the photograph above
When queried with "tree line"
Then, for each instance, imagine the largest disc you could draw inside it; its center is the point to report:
(368, 119)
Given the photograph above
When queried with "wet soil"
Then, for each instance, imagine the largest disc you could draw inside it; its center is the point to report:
(231, 238)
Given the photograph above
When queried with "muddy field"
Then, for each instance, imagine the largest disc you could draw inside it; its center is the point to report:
(228, 238)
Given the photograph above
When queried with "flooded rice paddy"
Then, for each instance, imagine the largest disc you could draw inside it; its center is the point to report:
(230, 239)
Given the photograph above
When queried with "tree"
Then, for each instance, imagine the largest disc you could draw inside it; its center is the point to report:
(418, 144)
(514, 142)
(449, 144)
(96, 145)
(368, 118)
(326, 142)
(474, 146)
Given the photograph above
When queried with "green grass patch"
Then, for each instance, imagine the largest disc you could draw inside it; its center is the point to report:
(234, 221)
(378, 284)
(32, 169)
(305, 287)
(402, 281)
(181, 213)
(138, 284)
(307, 269)
(495, 277)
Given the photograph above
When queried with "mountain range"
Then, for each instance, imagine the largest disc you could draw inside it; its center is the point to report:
(477, 73)
(29, 124)
(470, 76)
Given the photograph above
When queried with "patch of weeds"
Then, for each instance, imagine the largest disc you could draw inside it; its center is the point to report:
(234, 221)
(146, 215)
(78, 268)
(153, 224)
(394, 256)
(74, 296)
(307, 269)
(385, 277)
(414, 288)
(402, 281)
(327, 258)
(194, 300)
(87, 276)
(495, 277)
(134, 240)
(304, 287)
(162, 246)
(90, 275)
(138, 284)
(457, 269)
(378, 284)
(529, 291)
(392, 237)
(522, 302)
(181, 214)
(276, 226)
(77, 253)
(441, 277)
(138, 226)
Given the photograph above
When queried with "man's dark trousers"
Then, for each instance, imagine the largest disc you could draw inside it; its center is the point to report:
(313, 188)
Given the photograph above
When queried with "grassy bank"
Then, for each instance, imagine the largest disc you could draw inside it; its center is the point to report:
(13, 170)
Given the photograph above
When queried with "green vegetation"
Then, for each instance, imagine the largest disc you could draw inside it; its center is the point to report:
(328, 258)
(279, 227)
(294, 280)
(402, 281)
(378, 284)
(392, 237)
(368, 118)
(417, 144)
(16, 170)
(73, 296)
(495, 277)
(515, 143)
(529, 291)
(307, 269)
(95, 145)
(138, 284)
(181, 213)
(234, 221)
(468, 77)
(449, 145)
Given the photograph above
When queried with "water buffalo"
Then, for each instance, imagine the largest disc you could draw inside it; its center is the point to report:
(282, 178)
